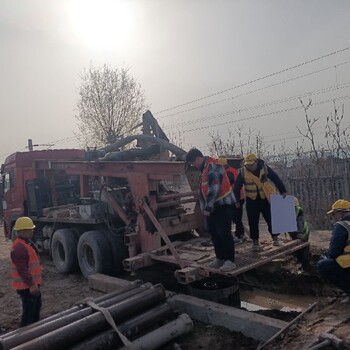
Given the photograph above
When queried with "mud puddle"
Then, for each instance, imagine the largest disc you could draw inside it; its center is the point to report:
(264, 300)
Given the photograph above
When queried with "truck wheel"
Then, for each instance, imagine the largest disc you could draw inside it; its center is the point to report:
(64, 251)
(94, 254)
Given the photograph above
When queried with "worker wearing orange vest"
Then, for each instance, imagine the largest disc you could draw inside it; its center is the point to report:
(335, 267)
(26, 271)
(216, 200)
(237, 213)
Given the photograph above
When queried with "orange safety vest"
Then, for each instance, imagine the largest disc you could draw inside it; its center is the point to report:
(34, 267)
(235, 173)
(225, 188)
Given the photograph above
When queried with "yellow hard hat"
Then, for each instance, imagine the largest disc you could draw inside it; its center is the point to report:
(24, 223)
(340, 205)
(222, 161)
(250, 159)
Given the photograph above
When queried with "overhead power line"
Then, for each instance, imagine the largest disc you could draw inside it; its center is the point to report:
(254, 91)
(256, 80)
(266, 114)
(266, 104)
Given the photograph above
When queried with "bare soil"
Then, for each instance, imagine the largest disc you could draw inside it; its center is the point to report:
(59, 292)
(62, 291)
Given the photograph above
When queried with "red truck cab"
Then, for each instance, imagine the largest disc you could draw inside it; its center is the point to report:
(17, 170)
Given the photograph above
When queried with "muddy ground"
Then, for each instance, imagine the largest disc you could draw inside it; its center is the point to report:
(62, 291)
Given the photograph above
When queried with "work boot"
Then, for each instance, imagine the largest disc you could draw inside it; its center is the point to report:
(215, 264)
(276, 241)
(228, 266)
(346, 300)
(256, 245)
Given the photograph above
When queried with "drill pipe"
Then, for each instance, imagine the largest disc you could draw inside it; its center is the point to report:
(72, 333)
(131, 328)
(79, 306)
(160, 336)
(28, 334)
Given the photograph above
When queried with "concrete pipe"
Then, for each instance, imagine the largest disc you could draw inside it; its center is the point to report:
(70, 334)
(153, 340)
(26, 334)
(131, 328)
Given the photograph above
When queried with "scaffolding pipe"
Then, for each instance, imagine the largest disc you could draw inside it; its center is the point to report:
(175, 203)
(72, 333)
(166, 197)
(24, 335)
(160, 336)
(131, 328)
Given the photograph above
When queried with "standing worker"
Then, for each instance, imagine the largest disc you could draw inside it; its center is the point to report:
(335, 268)
(26, 271)
(254, 176)
(237, 213)
(216, 200)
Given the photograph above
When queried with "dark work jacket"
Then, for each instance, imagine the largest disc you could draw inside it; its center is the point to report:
(338, 240)
(270, 174)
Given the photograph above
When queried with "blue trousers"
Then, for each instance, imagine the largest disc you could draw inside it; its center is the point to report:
(332, 272)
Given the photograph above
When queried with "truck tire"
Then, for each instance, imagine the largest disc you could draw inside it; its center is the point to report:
(94, 254)
(64, 251)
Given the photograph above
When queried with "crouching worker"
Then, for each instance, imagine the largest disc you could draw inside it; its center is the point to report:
(216, 200)
(335, 268)
(26, 271)
(302, 233)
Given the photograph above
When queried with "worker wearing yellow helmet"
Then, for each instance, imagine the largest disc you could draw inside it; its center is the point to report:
(26, 271)
(335, 267)
(257, 177)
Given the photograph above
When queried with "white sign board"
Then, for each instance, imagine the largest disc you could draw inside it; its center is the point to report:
(283, 216)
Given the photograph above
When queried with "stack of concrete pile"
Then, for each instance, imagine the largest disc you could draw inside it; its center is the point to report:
(136, 317)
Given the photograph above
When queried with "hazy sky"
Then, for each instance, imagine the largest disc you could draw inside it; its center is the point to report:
(179, 51)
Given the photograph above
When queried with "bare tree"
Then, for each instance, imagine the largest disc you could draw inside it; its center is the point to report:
(219, 147)
(238, 142)
(337, 134)
(110, 104)
(310, 134)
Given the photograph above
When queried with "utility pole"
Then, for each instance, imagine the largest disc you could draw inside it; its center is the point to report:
(30, 144)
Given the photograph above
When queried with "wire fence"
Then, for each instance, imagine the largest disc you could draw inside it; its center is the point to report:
(317, 184)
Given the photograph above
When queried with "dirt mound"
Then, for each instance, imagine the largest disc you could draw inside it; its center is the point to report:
(332, 317)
